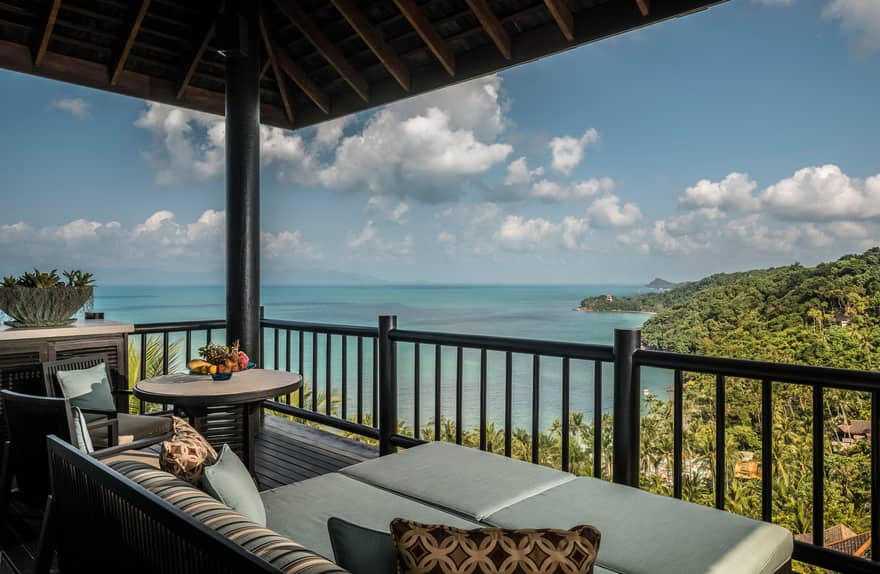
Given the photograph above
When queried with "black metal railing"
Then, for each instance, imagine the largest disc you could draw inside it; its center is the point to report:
(308, 349)
(817, 380)
(361, 375)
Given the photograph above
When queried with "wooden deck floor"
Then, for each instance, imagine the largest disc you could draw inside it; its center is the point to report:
(286, 452)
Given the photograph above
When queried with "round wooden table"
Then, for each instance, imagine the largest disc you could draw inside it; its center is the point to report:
(223, 411)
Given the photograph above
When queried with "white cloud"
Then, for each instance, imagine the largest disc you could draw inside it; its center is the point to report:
(289, 245)
(608, 212)
(381, 206)
(77, 107)
(775, 2)
(552, 192)
(520, 234)
(732, 192)
(824, 193)
(518, 172)
(368, 239)
(568, 151)
(860, 19)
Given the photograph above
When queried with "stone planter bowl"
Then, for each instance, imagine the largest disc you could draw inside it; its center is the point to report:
(53, 307)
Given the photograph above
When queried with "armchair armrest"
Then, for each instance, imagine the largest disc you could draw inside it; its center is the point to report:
(107, 413)
(112, 425)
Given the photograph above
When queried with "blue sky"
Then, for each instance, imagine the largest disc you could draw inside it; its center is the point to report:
(739, 137)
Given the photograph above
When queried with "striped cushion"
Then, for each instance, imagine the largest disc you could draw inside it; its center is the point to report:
(281, 552)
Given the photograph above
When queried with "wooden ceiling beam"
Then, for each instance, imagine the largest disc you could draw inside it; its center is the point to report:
(276, 71)
(295, 72)
(125, 48)
(560, 12)
(41, 42)
(204, 37)
(374, 40)
(493, 27)
(644, 6)
(327, 48)
(422, 25)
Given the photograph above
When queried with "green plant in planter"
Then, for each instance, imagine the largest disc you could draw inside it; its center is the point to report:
(42, 299)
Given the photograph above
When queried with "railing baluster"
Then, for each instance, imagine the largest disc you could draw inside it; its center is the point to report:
(459, 391)
(417, 390)
(818, 465)
(677, 432)
(508, 404)
(767, 450)
(597, 419)
(275, 353)
(143, 370)
(438, 371)
(188, 345)
(287, 357)
(536, 397)
(483, 398)
(375, 383)
(165, 350)
(315, 371)
(566, 416)
(720, 442)
(302, 371)
(360, 380)
(344, 405)
(875, 475)
(328, 391)
(209, 336)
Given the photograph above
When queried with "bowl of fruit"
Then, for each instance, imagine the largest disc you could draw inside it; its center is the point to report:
(220, 361)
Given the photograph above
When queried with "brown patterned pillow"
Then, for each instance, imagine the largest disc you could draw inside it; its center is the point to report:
(435, 549)
(186, 453)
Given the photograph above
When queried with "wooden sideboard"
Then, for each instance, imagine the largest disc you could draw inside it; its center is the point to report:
(23, 350)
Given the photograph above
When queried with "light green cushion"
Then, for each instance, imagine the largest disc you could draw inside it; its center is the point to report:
(361, 550)
(301, 510)
(229, 481)
(644, 532)
(464, 480)
(87, 388)
(83, 438)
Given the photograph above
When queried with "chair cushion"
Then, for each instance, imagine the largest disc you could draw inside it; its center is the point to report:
(186, 453)
(87, 388)
(133, 427)
(229, 481)
(437, 549)
(464, 480)
(301, 510)
(644, 532)
(284, 554)
(81, 437)
(361, 550)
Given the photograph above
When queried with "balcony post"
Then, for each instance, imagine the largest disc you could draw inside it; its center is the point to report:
(387, 385)
(243, 175)
(627, 407)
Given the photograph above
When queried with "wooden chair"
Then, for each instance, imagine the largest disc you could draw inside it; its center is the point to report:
(30, 420)
(144, 430)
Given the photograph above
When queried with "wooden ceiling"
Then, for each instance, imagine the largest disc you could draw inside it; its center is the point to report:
(322, 59)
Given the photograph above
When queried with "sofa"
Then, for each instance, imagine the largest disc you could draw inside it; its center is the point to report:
(447, 484)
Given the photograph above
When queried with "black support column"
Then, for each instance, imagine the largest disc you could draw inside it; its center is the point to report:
(243, 179)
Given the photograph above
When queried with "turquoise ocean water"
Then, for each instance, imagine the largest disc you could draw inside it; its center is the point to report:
(533, 311)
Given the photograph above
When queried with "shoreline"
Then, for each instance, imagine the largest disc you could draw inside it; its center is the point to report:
(586, 310)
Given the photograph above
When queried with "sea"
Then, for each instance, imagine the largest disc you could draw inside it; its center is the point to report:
(526, 311)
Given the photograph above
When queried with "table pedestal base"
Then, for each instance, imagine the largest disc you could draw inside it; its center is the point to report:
(235, 425)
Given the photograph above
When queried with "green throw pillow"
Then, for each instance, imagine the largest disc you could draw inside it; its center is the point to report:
(83, 438)
(87, 388)
(361, 550)
(229, 481)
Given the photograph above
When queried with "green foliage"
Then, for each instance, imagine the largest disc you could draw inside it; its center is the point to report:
(828, 315)
(77, 278)
(46, 280)
(153, 366)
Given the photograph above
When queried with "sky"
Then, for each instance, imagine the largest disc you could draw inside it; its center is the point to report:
(744, 136)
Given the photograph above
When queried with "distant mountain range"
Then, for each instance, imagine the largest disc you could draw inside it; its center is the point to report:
(658, 283)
